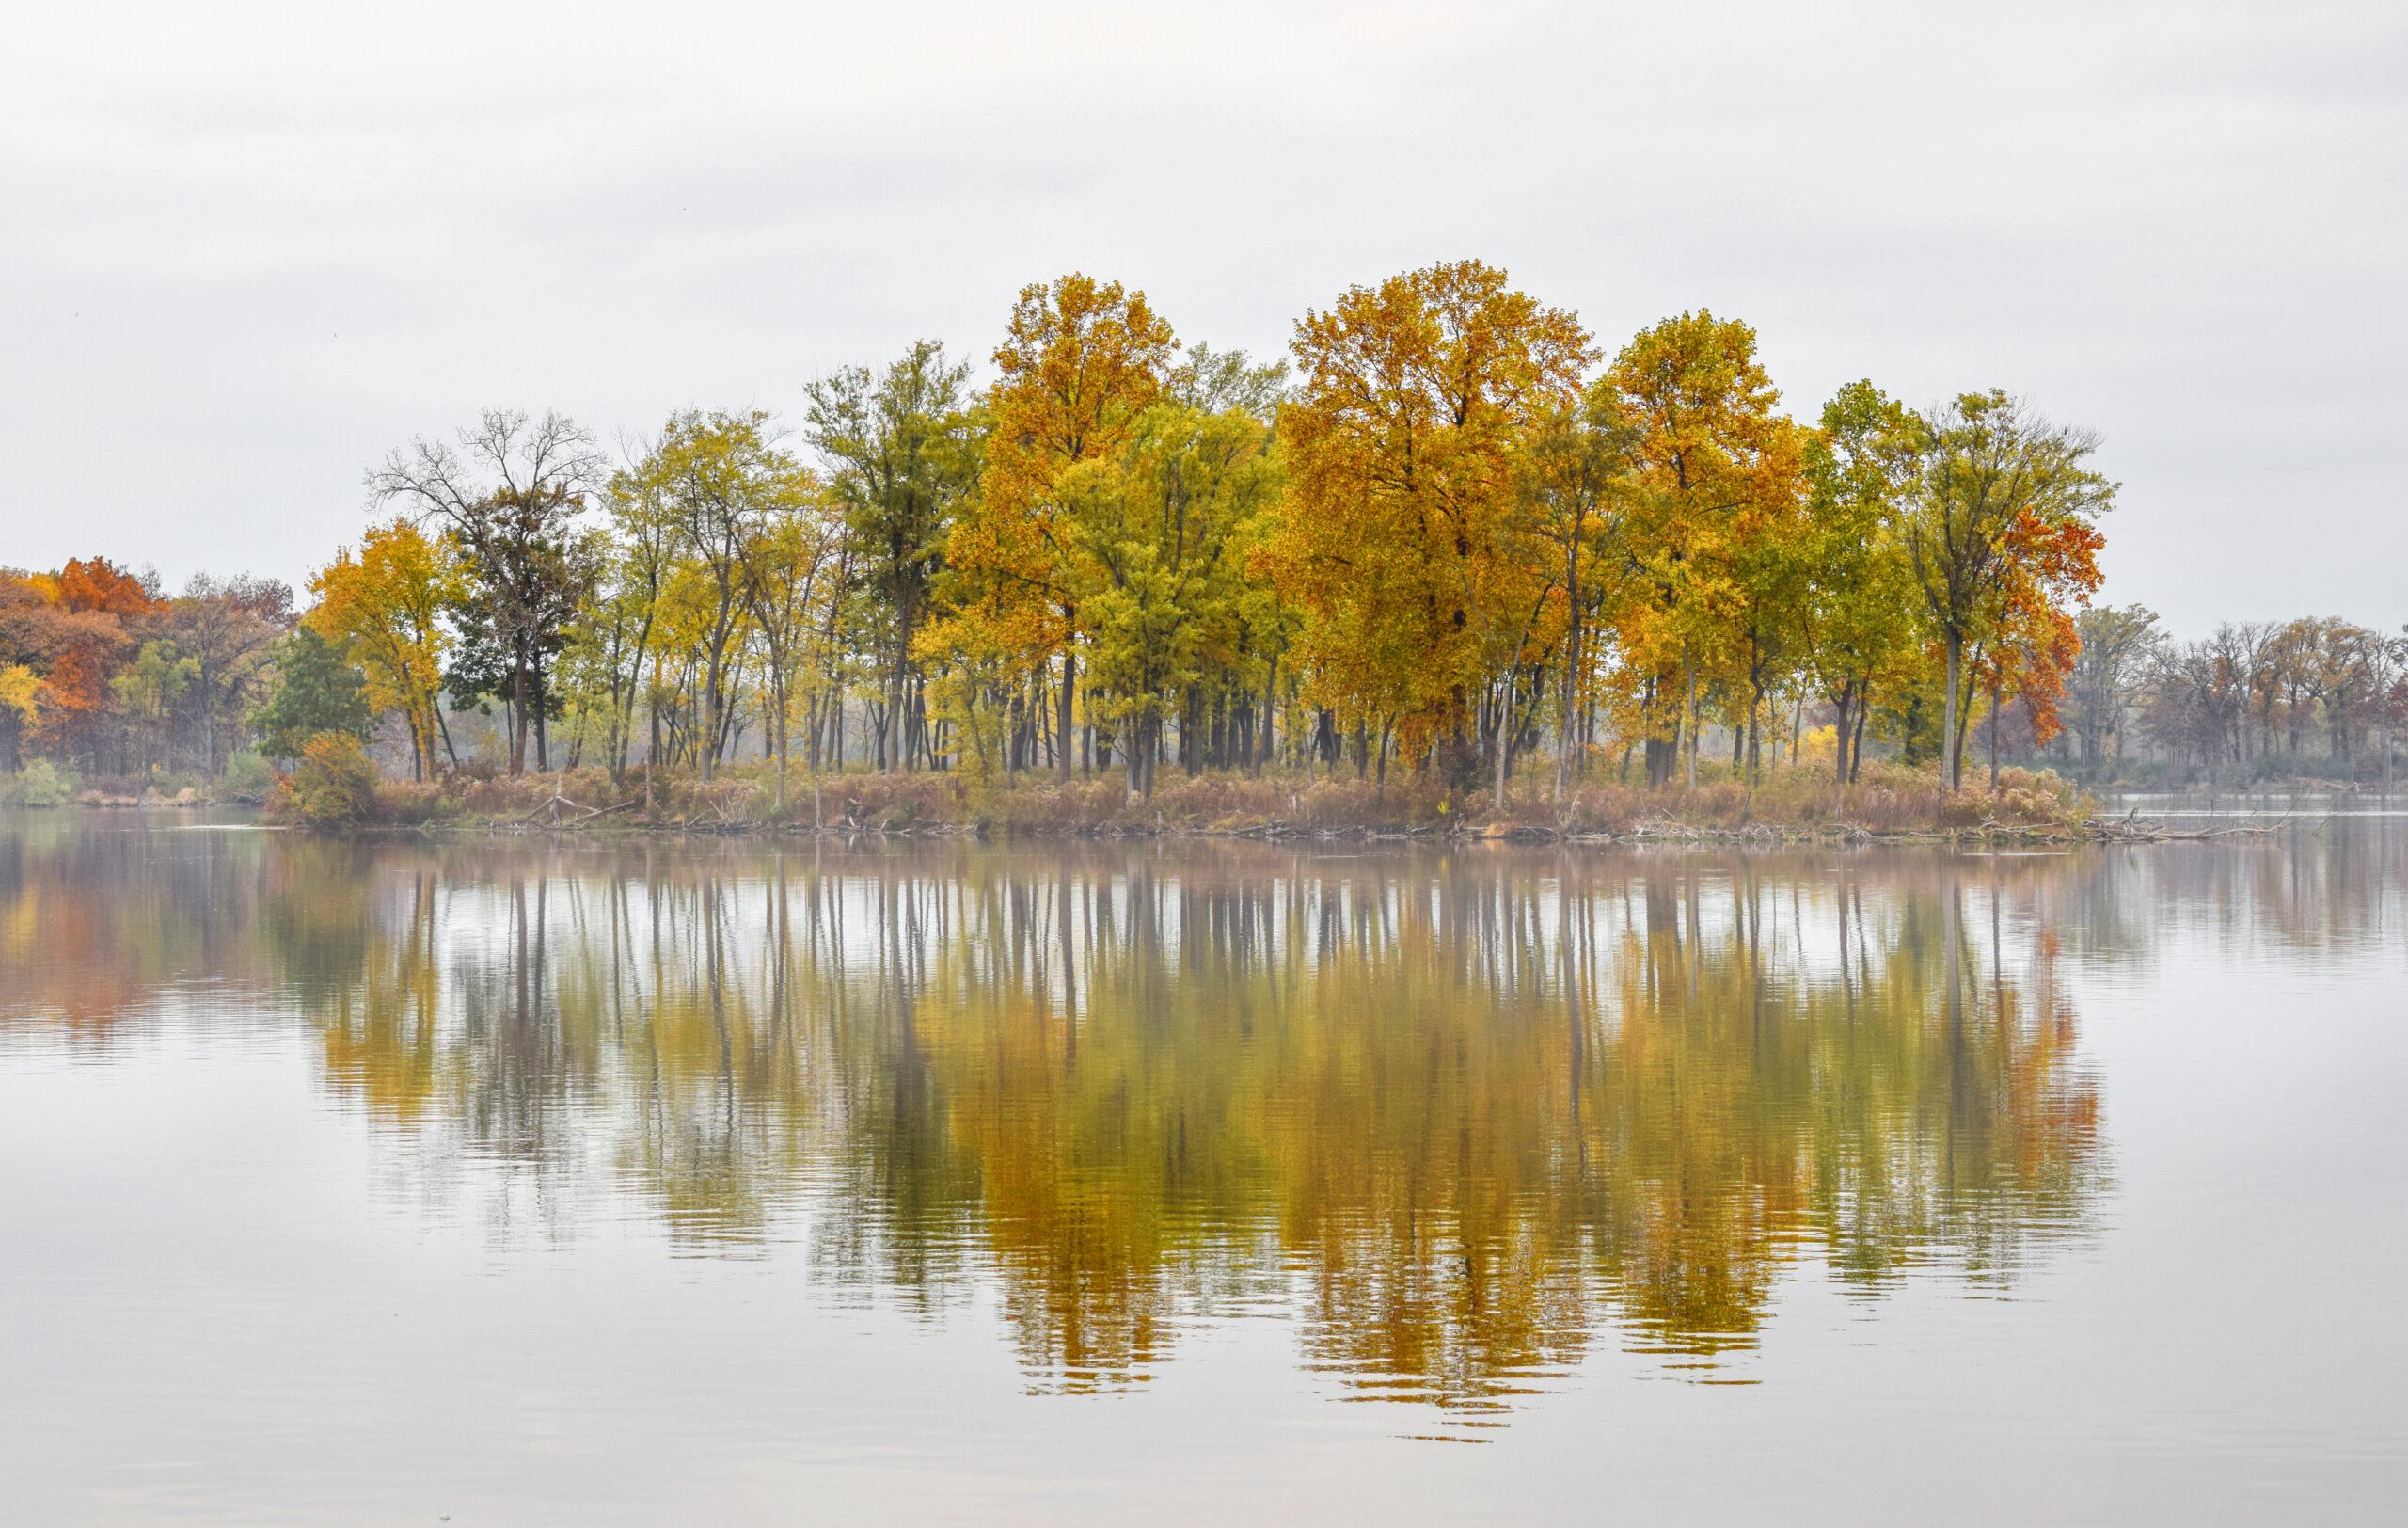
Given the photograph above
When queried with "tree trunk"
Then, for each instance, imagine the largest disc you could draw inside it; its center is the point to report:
(1263, 744)
(1839, 735)
(887, 751)
(1689, 721)
(1504, 738)
(1951, 762)
(1565, 731)
(1062, 720)
(1993, 740)
(515, 718)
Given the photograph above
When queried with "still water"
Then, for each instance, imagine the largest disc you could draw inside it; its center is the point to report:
(533, 1182)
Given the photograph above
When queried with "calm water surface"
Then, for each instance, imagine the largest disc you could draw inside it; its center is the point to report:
(730, 1183)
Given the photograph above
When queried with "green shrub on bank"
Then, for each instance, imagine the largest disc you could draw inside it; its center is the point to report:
(43, 784)
(167, 785)
(247, 775)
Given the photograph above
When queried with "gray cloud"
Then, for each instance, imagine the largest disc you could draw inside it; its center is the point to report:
(251, 246)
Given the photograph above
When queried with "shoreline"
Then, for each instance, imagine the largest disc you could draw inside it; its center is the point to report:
(2130, 829)
(1888, 806)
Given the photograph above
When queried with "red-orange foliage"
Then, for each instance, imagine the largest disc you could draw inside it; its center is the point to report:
(72, 628)
(2047, 564)
(101, 587)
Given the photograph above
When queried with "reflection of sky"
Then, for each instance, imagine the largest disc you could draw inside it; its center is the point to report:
(236, 1257)
(745, 1046)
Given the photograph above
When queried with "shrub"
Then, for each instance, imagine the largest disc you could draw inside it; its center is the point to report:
(39, 784)
(167, 785)
(248, 773)
(335, 783)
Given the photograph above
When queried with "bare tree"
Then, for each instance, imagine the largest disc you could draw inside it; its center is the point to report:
(2108, 674)
(509, 494)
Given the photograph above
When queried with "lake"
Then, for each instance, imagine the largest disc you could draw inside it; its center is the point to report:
(648, 1181)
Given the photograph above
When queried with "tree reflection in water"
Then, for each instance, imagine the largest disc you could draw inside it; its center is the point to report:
(1458, 1116)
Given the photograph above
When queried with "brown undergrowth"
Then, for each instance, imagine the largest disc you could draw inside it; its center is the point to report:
(1886, 799)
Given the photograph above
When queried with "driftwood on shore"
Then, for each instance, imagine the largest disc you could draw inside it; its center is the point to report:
(558, 809)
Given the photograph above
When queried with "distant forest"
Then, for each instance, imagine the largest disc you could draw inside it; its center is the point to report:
(1449, 534)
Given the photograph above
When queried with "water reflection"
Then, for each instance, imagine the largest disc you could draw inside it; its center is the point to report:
(1457, 1117)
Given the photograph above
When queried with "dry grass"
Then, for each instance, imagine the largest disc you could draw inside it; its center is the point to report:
(1886, 799)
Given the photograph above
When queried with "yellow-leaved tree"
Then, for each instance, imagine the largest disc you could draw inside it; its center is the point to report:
(382, 609)
(1156, 535)
(1722, 471)
(724, 488)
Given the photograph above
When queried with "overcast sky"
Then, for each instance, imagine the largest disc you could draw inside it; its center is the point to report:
(247, 248)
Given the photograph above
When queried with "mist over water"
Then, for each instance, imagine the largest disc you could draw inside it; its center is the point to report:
(582, 1180)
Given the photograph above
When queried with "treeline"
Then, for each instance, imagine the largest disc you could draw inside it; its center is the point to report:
(103, 670)
(2317, 696)
(1451, 534)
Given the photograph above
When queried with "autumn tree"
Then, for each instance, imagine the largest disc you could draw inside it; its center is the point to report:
(20, 710)
(1222, 718)
(1575, 470)
(2117, 649)
(88, 630)
(722, 481)
(2190, 700)
(1153, 534)
(2329, 669)
(2005, 496)
(510, 491)
(228, 626)
(1768, 570)
(383, 610)
(2026, 654)
(1081, 362)
(614, 650)
(1402, 536)
(148, 688)
(1861, 632)
(901, 450)
(1719, 463)
(794, 565)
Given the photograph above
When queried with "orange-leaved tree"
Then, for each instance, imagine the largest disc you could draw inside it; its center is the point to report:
(92, 602)
(1082, 361)
(2028, 642)
(1403, 535)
